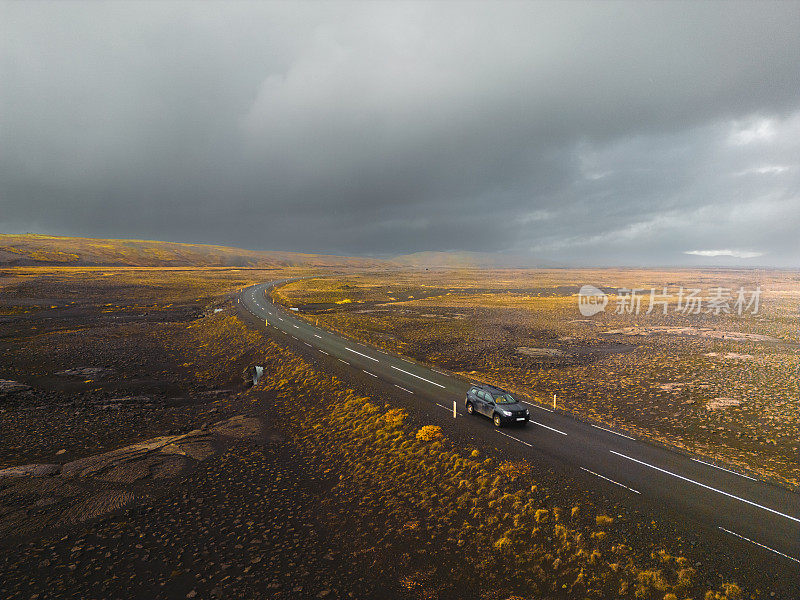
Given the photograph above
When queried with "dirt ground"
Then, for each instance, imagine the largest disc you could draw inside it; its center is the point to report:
(126, 382)
(721, 385)
(147, 465)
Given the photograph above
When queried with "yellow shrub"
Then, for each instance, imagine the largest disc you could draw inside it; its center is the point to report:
(503, 544)
(514, 469)
(429, 433)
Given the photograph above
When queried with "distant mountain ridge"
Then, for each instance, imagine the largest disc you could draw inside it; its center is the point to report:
(34, 249)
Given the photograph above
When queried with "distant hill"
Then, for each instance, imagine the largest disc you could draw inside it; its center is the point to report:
(475, 260)
(32, 249)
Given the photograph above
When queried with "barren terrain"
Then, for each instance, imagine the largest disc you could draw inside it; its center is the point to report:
(720, 385)
(139, 460)
(32, 249)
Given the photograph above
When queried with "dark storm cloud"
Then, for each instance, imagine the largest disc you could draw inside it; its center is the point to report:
(582, 133)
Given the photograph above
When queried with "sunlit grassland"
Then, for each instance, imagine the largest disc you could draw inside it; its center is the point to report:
(129, 286)
(417, 488)
(671, 378)
(32, 249)
(410, 486)
(403, 483)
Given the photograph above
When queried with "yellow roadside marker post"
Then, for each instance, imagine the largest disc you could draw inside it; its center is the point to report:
(554, 401)
(455, 414)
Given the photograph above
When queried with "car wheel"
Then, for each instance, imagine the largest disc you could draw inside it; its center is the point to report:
(497, 421)
(470, 409)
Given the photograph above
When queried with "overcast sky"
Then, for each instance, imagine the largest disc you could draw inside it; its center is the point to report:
(600, 133)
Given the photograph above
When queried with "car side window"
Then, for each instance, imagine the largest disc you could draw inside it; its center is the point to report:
(479, 394)
(489, 397)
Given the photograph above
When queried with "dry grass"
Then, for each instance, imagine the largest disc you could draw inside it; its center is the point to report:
(417, 488)
(124, 287)
(672, 378)
(449, 510)
(31, 249)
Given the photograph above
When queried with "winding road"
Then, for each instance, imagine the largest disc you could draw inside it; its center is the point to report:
(757, 517)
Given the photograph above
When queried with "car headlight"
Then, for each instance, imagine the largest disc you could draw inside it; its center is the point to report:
(505, 413)
(527, 412)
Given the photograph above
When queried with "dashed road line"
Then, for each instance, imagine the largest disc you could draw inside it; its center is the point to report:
(537, 406)
(547, 427)
(296, 326)
(368, 373)
(323, 351)
(317, 336)
(440, 372)
(307, 344)
(402, 388)
(708, 487)
(612, 481)
(417, 376)
(614, 432)
(761, 545)
(345, 362)
(723, 469)
(448, 409)
(360, 354)
(515, 439)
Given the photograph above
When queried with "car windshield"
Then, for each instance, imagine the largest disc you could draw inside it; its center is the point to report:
(505, 399)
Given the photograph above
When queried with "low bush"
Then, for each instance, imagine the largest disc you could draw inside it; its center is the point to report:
(463, 506)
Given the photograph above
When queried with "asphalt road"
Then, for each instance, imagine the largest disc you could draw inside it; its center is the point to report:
(758, 517)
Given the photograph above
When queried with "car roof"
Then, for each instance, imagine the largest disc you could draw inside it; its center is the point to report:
(489, 388)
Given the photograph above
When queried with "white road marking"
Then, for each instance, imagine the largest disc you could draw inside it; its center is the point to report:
(294, 338)
(708, 487)
(547, 427)
(296, 326)
(359, 353)
(368, 373)
(280, 319)
(402, 388)
(723, 469)
(537, 406)
(450, 409)
(762, 545)
(439, 372)
(612, 481)
(614, 432)
(345, 362)
(515, 439)
(319, 336)
(417, 376)
(325, 353)
(307, 344)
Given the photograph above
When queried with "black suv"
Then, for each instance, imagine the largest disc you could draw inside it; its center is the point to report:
(497, 404)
